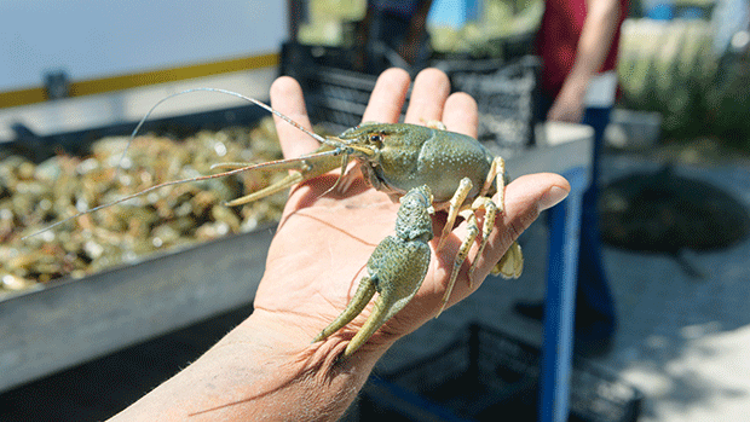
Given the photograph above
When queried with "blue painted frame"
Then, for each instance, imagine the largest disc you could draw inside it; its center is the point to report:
(557, 348)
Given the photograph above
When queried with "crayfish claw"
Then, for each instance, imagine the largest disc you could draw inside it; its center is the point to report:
(396, 269)
(375, 321)
(365, 292)
(287, 182)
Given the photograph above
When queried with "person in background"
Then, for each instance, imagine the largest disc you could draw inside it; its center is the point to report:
(578, 44)
(394, 33)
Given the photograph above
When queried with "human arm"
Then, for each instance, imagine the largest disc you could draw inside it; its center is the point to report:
(599, 28)
(267, 368)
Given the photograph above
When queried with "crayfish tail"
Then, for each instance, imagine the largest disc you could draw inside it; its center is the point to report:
(511, 264)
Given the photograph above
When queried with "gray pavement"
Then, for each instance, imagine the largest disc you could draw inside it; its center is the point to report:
(684, 341)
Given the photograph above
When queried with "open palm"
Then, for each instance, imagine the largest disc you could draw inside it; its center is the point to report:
(325, 238)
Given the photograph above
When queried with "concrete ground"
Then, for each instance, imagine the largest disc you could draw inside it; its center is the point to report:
(684, 341)
(681, 341)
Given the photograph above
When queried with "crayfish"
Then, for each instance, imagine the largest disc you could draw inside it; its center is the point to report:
(396, 269)
(429, 167)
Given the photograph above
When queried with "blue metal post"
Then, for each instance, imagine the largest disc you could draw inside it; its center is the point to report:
(557, 348)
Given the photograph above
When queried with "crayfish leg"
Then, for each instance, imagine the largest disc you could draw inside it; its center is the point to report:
(463, 251)
(464, 187)
(435, 124)
(511, 264)
(490, 213)
(496, 174)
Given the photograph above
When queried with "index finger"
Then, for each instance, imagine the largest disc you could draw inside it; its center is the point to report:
(431, 100)
(287, 98)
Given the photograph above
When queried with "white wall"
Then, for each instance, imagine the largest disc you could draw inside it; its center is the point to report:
(92, 39)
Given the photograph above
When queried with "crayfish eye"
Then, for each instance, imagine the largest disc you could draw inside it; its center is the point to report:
(377, 139)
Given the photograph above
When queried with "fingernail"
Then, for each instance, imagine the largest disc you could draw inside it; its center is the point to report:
(553, 197)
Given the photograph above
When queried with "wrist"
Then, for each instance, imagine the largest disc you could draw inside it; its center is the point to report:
(575, 85)
(261, 370)
(292, 335)
(287, 371)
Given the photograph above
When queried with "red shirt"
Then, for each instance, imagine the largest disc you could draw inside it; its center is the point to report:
(557, 41)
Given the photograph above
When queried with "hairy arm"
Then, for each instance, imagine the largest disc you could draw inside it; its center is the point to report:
(599, 29)
(267, 368)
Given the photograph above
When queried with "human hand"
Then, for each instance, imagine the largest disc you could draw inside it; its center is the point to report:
(568, 105)
(267, 368)
(324, 240)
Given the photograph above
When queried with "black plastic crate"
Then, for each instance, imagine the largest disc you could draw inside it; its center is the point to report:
(507, 100)
(335, 95)
(335, 98)
(506, 94)
(295, 56)
(485, 373)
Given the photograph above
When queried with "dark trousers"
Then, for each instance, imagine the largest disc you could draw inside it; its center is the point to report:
(594, 303)
(593, 297)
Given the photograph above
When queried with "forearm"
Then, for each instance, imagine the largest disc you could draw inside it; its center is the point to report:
(595, 42)
(599, 28)
(262, 370)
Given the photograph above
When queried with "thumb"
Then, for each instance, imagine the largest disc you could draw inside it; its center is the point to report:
(525, 198)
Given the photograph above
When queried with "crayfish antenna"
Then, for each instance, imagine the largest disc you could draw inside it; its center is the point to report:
(260, 104)
(119, 201)
(331, 148)
(180, 182)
